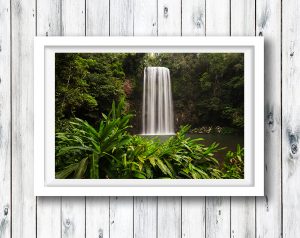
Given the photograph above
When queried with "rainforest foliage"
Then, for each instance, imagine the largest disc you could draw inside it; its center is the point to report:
(208, 89)
(98, 111)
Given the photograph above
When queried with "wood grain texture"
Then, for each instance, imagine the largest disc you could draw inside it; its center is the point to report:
(23, 201)
(145, 217)
(5, 121)
(242, 17)
(48, 19)
(121, 217)
(169, 217)
(193, 18)
(73, 217)
(73, 17)
(268, 208)
(242, 208)
(218, 217)
(97, 17)
(193, 217)
(218, 17)
(125, 217)
(290, 117)
(121, 17)
(145, 17)
(169, 208)
(73, 208)
(121, 208)
(218, 208)
(97, 208)
(48, 23)
(193, 208)
(48, 222)
(145, 208)
(169, 17)
(97, 217)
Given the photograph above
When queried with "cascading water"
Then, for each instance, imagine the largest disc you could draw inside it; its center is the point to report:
(157, 115)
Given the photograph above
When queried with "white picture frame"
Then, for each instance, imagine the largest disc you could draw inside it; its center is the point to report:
(45, 183)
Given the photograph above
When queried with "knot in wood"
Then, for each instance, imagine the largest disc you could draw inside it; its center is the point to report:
(198, 22)
(68, 222)
(100, 233)
(270, 120)
(294, 148)
(166, 12)
(5, 210)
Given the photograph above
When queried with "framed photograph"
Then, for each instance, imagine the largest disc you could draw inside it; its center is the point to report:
(149, 116)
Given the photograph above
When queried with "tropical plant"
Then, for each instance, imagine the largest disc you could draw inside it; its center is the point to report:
(83, 146)
(233, 167)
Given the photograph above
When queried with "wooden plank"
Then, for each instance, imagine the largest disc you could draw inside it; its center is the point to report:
(97, 208)
(23, 200)
(145, 17)
(169, 217)
(121, 208)
(290, 117)
(73, 17)
(193, 217)
(97, 217)
(121, 17)
(73, 217)
(48, 19)
(169, 208)
(48, 208)
(121, 217)
(5, 121)
(73, 208)
(218, 208)
(193, 208)
(193, 18)
(169, 17)
(242, 208)
(48, 217)
(145, 208)
(242, 217)
(97, 17)
(218, 17)
(268, 208)
(242, 18)
(217, 217)
(145, 217)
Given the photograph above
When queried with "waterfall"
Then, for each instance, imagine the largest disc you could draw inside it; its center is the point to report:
(157, 114)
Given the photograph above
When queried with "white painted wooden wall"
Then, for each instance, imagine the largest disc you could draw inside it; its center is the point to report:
(274, 215)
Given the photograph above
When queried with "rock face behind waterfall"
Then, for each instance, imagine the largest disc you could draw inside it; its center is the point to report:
(157, 114)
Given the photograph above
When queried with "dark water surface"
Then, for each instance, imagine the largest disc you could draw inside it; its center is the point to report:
(228, 141)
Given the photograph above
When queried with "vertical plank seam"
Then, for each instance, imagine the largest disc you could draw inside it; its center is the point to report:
(60, 216)
(181, 25)
(255, 200)
(108, 17)
(205, 216)
(133, 198)
(230, 196)
(281, 133)
(109, 217)
(181, 217)
(157, 214)
(133, 10)
(11, 114)
(156, 17)
(36, 206)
